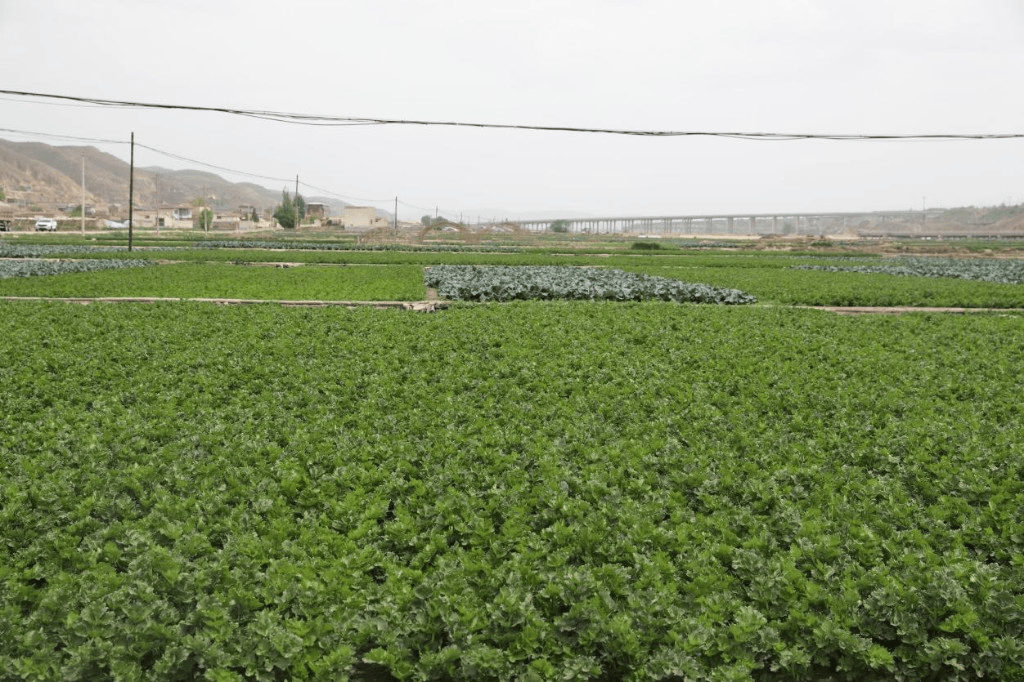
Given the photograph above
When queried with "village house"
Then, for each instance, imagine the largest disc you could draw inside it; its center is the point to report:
(169, 217)
(175, 217)
(361, 218)
(316, 210)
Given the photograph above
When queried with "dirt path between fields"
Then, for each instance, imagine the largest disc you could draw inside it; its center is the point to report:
(898, 310)
(417, 306)
(432, 304)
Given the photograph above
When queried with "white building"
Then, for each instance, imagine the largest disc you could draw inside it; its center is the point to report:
(361, 218)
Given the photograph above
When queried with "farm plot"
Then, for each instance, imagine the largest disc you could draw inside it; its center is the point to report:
(840, 288)
(34, 267)
(555, 490)
(471, 283)
(219, 280)
(349, 246)
(30, 250)
(1005, 271)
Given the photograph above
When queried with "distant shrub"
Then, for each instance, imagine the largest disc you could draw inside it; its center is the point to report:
(646, 246)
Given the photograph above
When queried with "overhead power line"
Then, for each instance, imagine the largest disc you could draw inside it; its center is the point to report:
(65, 138)
(439, 209)
(210, 165)
(319, 120)
(223, 169)
(259, 177)
(344, 197)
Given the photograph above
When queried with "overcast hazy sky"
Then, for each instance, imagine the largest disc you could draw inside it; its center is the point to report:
(801, 66)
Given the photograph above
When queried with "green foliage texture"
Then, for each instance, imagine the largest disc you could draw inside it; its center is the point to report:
(28, 250)
(31, 267)
(838, 288)
(347, 246)
(204, 218)
(1003, 271)
(556, 490)
(645, 246)
(285, 212)
(218, 280)
(471, 283)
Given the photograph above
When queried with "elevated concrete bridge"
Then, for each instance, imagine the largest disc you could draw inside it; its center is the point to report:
(742, 224)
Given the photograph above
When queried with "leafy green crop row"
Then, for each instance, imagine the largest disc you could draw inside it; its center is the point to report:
(768, 277)
(818, 287)
(12, 250)
(218, 280)
(39, 268)
(264, 252)
(533, 491)
(349, 246)
(1003, 271)
(470, 283)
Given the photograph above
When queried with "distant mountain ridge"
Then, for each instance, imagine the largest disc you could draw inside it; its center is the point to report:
(34, 174)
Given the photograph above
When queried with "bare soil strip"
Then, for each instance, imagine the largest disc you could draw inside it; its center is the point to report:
(899, 310)
(418, 306)
(432, 304)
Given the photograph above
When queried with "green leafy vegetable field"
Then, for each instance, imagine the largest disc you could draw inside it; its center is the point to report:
(842, 288)
(220, 280)
(537, 490)
(1003, 270)
(345, 246)
(470, 283)
(34, 267)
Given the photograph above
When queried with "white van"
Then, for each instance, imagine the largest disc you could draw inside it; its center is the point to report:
(47, 224)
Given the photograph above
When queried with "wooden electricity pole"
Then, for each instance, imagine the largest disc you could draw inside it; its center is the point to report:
(131, 192)
(83, 192)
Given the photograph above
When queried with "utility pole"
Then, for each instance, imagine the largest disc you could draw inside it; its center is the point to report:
(295, 203)
(131, 192)
(83, 193)
(156, 185)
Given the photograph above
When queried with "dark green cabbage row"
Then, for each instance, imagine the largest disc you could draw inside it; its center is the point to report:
(9, 250)
(30, 267)
(330, 246)
(472, 283)
(981, 269)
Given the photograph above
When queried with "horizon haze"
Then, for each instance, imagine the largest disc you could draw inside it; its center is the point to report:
(788, 66)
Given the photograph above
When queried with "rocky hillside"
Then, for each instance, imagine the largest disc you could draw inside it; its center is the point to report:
(42, 178)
